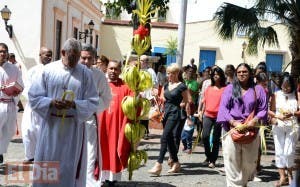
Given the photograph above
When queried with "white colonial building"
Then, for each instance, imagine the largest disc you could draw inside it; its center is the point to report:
(201, 39)
(48, 23)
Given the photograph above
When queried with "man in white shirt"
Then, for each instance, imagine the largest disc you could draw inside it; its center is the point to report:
(150, 93)
(9, 73)
(12, 60)
(31, 121)
(64, 96)
(88, 57)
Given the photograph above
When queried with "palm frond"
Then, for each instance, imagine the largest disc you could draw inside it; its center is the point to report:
(230, 18)
(252, 46)
(171, 47)
(261, 36)
(263, 5)
(279, 9)
(144, 10)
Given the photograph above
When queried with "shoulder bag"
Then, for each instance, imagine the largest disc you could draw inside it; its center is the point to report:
(248, 135)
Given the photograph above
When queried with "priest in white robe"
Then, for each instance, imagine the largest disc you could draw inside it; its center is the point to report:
(88, 57)
(9, 73)
(31, 121)
(62, 131)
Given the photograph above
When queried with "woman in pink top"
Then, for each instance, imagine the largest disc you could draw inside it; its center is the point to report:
(211, 101)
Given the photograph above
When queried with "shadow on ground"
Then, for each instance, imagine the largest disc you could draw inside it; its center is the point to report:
(267, 175)
(136, 184)
(17, 140)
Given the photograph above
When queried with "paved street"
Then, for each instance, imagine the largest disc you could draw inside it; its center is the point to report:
(193, 173)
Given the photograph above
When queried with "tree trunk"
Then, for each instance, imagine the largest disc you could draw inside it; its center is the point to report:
(295, 52)
(295, 68)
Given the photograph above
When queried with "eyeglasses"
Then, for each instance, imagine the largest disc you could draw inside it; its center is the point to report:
(244, 72)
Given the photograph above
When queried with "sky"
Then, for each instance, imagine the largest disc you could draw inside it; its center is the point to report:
(200, 10)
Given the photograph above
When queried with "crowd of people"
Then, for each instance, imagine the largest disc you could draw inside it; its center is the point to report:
(74, 116)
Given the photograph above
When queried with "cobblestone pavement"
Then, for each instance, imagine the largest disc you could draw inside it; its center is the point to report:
(193, 173)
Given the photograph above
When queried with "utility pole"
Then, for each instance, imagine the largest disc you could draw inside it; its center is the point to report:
(181, 33)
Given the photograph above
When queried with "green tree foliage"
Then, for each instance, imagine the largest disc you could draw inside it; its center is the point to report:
(231, 18)
(171, 47)
(121, 5)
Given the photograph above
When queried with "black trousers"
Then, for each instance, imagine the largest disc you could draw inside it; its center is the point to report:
(211, 152)
(146, 125)
(170, 140)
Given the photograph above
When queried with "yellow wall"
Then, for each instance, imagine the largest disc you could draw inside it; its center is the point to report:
(115, 43)
(115, 40)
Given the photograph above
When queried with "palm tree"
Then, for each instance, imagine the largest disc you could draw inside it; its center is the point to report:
(171, 46)
(171, 49)
(231, 18)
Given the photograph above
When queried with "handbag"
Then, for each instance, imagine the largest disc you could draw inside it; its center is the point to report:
(248, 135)
(155, 113)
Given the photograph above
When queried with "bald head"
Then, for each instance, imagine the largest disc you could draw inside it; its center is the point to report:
(45, 55)
(113, 70)
(144, 59)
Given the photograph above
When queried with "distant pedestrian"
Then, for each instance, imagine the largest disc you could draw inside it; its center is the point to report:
(9, 73)
(211, 102)
(193, 66)
(151, 93)
(229, 72)
(284, 111)
(191, 83)
(31, 121)
(187, 133)
(161, 77)
(102, 63)
(12, 59)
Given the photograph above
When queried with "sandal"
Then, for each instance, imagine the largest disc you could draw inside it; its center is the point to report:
(170, 162)
(281, 183)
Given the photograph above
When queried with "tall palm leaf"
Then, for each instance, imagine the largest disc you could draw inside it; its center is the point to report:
(231, 18)
(171, 47)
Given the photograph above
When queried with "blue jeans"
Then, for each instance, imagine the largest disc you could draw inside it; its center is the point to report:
(187, 138)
